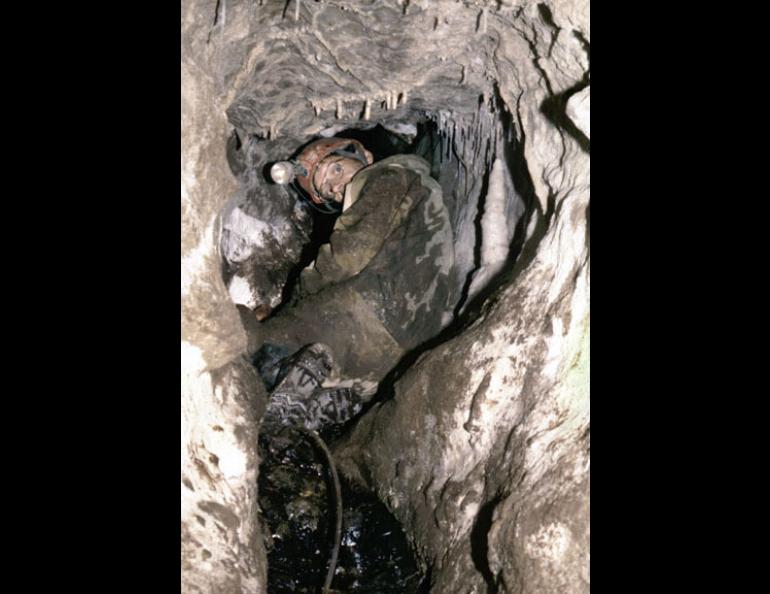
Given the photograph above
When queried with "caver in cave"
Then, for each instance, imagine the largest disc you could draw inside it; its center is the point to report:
(379, 288)
(455, 444)
(382, 285)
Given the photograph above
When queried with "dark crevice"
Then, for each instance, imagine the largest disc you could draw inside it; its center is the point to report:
(513, 154)
(536, 60)
(323, 225)
(216, 20)
(550, 207)
(381, 142)
(235, 154)
(427, 582)
(555, 109)
(286, 8)
(477, 247)
(480, 543)
(585, 43)
(547, 16)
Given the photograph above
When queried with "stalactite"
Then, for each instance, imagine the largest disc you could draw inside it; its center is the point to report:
(454, 131)
(449, 142)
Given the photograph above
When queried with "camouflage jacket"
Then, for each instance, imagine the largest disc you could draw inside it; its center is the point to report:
(394, 247)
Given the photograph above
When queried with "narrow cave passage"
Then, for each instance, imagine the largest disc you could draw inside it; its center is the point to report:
(270, 235)
(487, 203)
(274, 238)
(435, 381)
(383, 143)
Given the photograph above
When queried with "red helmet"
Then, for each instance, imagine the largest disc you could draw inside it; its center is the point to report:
(317, 151)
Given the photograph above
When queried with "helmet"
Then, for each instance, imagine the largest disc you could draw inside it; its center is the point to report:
(307, 162)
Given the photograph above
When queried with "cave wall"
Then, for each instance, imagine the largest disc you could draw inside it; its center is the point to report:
(495, 421)
(483, 451)
(492, 427)
(222, 550)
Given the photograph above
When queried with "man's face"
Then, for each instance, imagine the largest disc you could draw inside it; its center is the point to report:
(333, 174)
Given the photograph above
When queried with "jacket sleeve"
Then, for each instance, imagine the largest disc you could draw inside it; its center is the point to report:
(386, 198)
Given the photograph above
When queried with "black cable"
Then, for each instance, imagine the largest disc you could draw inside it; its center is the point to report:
(338, 497)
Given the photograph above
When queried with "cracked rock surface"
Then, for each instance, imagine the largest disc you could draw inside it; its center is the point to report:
(480, 447)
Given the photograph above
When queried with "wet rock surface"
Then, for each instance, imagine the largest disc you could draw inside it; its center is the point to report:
(295, 496)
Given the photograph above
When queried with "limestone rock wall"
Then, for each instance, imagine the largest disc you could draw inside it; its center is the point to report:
(222, 550)
(491, 429)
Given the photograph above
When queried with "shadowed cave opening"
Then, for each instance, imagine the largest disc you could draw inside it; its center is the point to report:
(476, 160)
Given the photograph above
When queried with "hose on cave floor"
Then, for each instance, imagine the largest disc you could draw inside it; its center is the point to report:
(316, 439)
